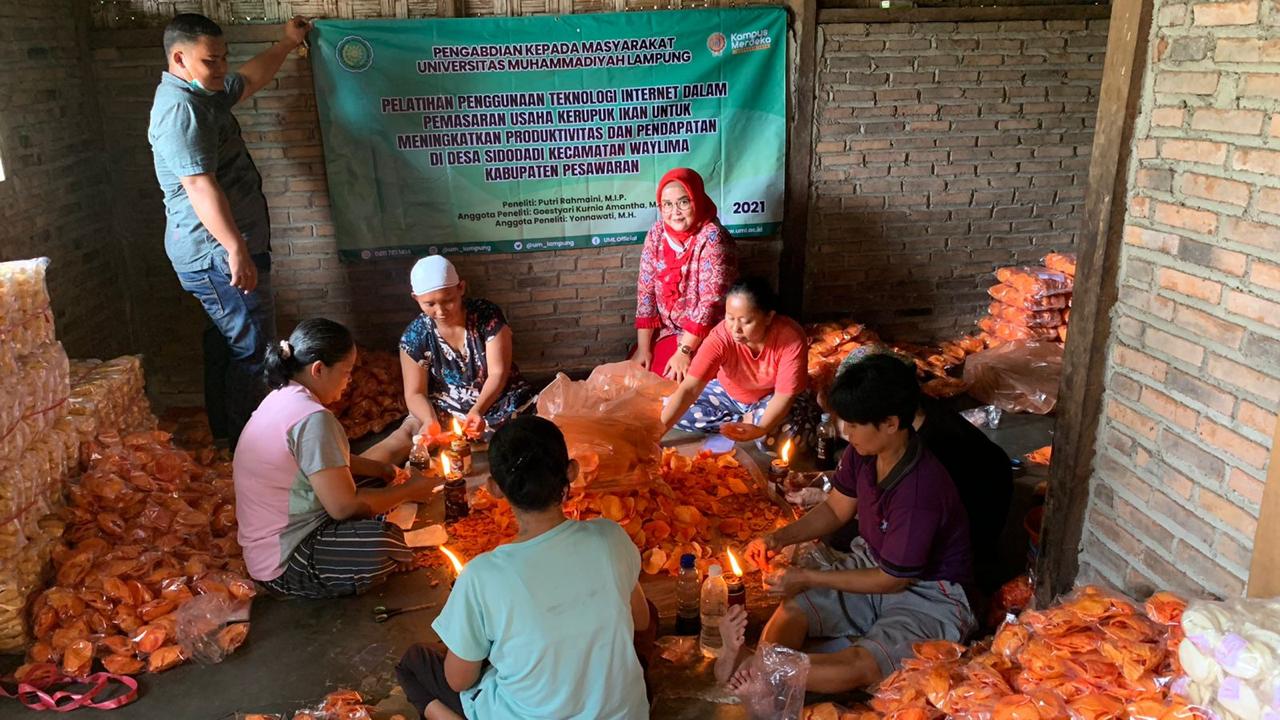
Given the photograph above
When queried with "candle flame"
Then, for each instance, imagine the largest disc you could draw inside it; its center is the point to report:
(457, 428)
(733, 562)
(445, 467)
(785, 453)
(457, 564)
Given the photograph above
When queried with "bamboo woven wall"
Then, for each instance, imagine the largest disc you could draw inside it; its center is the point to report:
(151, 13)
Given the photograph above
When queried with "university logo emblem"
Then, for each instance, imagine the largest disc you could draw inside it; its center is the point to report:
(716, 43)
(355, 54)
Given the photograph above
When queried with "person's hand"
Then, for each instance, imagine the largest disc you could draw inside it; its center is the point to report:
(742, 432)
(643, 357)
(388, 473)
(677, 367)
(792, 581)
(474, 424)
(420, 487)
(244, 274)
(759, 549)
(295, 31)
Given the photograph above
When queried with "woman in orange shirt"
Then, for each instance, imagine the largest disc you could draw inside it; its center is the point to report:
(751, 368)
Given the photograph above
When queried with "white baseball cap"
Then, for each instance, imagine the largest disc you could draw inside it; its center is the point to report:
(432, 273)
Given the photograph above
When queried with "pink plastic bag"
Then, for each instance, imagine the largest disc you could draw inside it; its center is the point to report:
(612, 421)
(1016, 377)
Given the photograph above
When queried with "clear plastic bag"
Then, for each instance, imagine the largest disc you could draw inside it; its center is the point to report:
(774, 689)
(1017, 377)
(985, 416)
(1012, 332)
(1026, 318)
(1010, 295)
(212, 626)
(1064, 263)
(1035, 282)
(1230, 658)
(612, 422)
(337, 705)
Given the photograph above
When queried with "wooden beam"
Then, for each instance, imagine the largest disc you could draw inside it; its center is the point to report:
(153, 37)
(832, 13)
(1085, 358)
(1264, 574)
(799, 153)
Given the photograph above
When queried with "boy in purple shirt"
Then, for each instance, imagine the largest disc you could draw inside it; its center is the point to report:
(903, 579)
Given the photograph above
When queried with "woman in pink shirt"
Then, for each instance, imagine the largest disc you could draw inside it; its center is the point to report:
(687, 263)
(307, 526)
(751, 371)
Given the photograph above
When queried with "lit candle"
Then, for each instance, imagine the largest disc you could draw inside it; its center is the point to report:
(455, 492)
(460, 449)
(780, 467)
(457, 564)
(737, 590)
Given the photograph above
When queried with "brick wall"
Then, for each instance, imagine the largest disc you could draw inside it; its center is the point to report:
(568, 310)
(1194, 360)
(52, 200)
(942, 151)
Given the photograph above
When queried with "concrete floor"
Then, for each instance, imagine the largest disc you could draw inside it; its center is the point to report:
(299, 650)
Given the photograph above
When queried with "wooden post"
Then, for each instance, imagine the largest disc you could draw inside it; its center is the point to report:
(1264, 574)
(795, 218)
(1084, 362)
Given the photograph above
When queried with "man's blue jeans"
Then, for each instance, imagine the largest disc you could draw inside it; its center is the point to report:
(245, 323)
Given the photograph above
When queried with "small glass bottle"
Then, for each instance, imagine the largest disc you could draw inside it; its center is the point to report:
(826, 449)
(419, 457)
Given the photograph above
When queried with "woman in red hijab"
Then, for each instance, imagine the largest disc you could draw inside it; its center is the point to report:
(687, 265)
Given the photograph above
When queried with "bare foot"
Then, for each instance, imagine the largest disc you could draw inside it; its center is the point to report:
(733, 631)
(744, 682)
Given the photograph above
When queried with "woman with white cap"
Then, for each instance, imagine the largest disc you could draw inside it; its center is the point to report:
(456, 355)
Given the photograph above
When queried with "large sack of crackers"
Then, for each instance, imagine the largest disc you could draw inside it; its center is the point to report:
(36, 445)
(109, 397)
(26, 318)
(612, 421)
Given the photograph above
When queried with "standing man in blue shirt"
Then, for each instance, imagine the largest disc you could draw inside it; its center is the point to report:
(217, 231)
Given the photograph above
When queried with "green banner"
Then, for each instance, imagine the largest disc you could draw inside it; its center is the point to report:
(546, 133)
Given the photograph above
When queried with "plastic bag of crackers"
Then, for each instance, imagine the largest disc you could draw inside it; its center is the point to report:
(26, 319)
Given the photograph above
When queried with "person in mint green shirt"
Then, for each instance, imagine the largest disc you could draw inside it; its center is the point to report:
(544, 626)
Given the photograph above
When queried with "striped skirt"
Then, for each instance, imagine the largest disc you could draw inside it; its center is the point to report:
(343, 557)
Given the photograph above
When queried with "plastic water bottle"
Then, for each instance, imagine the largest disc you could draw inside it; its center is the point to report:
(827, 443)
(715, 603)
(688, 589)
